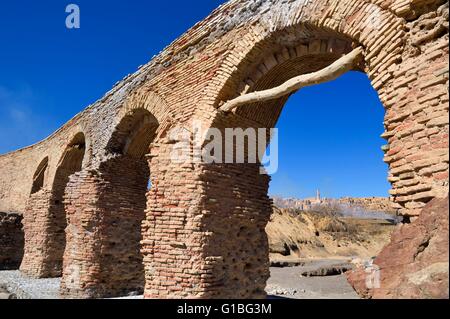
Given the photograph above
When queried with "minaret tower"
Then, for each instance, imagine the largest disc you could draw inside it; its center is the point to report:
(318, 198)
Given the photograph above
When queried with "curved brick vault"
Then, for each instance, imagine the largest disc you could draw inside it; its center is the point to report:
(199, 231)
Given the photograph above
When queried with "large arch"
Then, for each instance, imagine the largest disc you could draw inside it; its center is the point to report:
(245, 263)
(45, 216)
(392, 62)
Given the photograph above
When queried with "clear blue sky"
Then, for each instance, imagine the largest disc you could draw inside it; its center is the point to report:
(329, 134)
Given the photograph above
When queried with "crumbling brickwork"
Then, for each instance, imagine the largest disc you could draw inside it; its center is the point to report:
(37, 261)
(203, 230)
(11, 241)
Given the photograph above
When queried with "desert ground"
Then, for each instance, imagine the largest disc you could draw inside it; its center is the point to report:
(311, 251)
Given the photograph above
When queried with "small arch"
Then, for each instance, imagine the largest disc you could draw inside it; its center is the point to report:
(134, 134)
(71, 162)
(39, 176)
(72, 158)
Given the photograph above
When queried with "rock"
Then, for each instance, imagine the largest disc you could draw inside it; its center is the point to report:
(7, 296)
(297, 235)
(415, 264)
(332, 270)
(278, 291)
(4, 294)
(279, 247)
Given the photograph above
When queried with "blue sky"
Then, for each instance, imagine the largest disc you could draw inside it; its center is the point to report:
(329, 134)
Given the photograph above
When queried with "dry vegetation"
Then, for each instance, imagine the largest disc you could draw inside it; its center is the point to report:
(295, 234)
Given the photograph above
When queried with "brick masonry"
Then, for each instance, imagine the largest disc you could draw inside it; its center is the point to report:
(11, 241)
(45, 217)
(203, 226)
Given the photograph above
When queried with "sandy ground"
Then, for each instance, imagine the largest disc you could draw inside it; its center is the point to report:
(288, 283)
(284, 282)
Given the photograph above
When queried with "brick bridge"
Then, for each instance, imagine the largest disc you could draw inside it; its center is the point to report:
(199, 231)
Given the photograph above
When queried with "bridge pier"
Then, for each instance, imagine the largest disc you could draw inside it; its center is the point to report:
(44, 236)
(105, 210)
(236, 211)
(204, 233)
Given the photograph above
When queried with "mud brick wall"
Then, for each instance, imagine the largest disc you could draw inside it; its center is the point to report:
(45, 238)
(45, 221)
(11, 241)
(81, 267)
(194, 246)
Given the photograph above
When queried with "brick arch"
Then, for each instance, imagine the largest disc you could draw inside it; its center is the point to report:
(134, 133)
(71, 159)
(45, 217)
(144, 98)
(39, 176)
(377, 29)
(118, 188)
(310, 29)
(310, 47)
(388, 58)
(277, 68)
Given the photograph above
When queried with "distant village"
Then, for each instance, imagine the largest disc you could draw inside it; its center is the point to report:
(367, 207)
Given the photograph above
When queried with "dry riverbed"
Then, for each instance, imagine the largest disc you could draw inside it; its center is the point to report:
(286, 282)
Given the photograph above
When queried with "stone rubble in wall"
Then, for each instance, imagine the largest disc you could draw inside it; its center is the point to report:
(11, 240)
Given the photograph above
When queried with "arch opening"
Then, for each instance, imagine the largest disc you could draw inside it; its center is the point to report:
(39, 176)
(70, 163)
(281, 57)
(134, 134)
(329, 140)
(123, 205)
(271, 63)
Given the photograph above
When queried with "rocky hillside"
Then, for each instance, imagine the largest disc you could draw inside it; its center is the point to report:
(295, 234)
(415, 263)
